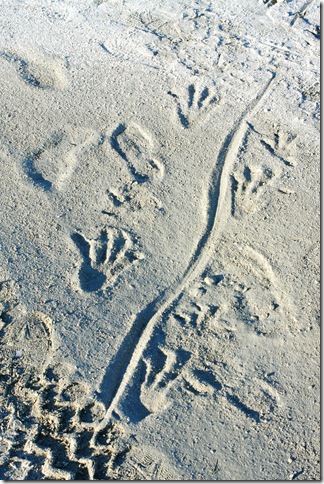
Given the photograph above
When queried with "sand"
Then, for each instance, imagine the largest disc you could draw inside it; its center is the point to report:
(159, 256)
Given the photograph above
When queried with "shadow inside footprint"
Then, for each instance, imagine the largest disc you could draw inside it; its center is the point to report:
(90, 279)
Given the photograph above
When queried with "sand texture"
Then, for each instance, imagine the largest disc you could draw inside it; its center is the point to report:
(159, 249)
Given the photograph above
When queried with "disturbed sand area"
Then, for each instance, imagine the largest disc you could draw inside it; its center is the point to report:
(160, 239)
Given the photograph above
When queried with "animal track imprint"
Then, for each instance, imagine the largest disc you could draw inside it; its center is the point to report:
(104, 258)
(161, 373)
(249, 179)
(196, 106)
(162, 370)
(41, 73)
(145, 464)
(135, 146)
(270, 3)
(280, 144)
(247, 188)
(51, 166)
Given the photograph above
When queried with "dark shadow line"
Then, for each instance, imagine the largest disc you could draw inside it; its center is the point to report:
(204, 95)
(114, 141)
(23, 70)
(234, 188)
(83, 246)
(116, 369)
(249, 412)
(191, 95)
(183, 119)
(102, 45)
(273, 153)
(116, 146)
(28, 166)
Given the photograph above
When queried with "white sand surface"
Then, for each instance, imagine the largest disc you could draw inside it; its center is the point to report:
(159, 262)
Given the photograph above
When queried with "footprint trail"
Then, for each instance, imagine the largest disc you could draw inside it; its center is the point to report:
(145, 322)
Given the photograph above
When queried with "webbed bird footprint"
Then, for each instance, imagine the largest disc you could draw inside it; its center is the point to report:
(104, 258)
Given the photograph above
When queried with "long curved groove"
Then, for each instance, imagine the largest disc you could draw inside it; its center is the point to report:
(145, 322)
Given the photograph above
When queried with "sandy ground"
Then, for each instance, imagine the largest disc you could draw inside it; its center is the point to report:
(159, 239)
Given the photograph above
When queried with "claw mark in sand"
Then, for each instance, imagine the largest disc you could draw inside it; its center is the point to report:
(145, 322)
